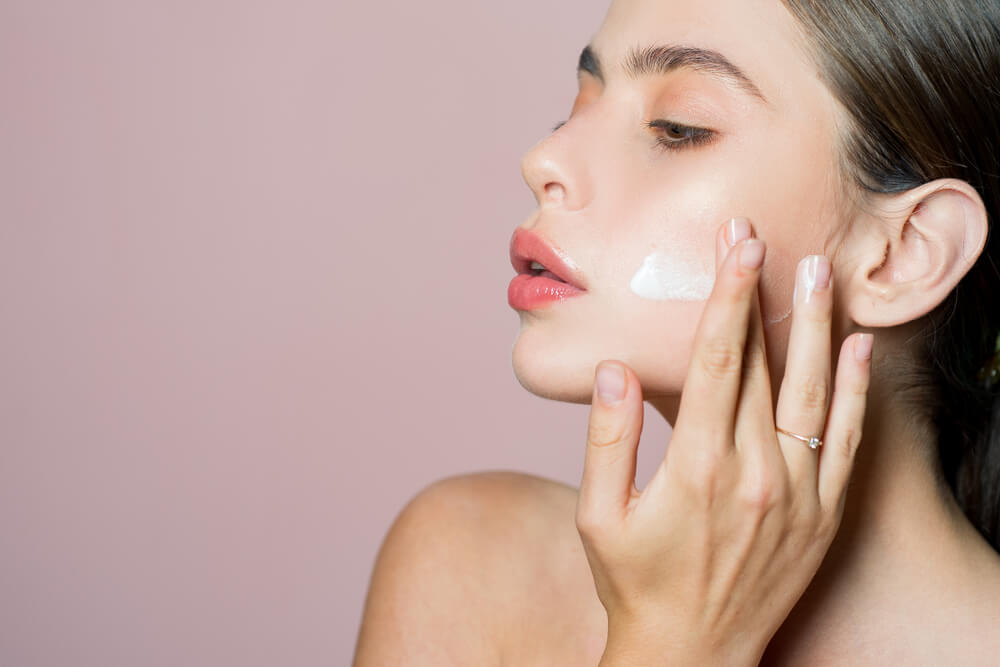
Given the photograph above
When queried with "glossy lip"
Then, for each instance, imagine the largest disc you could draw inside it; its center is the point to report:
(527, 246)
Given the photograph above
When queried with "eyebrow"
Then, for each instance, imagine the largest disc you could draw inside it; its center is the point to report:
(661, 60)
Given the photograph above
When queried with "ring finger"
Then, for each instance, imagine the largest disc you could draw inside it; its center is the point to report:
(805, 387)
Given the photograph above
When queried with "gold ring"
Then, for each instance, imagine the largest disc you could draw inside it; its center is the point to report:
(814, 443)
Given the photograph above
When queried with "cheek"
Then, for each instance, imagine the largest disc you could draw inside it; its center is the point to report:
(556, 352)
(666, 276)
(661, 247)
(658, 340)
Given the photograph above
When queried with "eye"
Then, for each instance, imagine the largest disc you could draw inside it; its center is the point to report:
(674, 136)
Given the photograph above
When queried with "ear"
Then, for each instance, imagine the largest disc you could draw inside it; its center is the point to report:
(914, 252)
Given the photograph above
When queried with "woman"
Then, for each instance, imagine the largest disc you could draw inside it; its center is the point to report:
(860, 137)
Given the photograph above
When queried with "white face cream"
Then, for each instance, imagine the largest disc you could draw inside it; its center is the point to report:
(664, 277)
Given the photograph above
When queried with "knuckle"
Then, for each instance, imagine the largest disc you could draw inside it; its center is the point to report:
(850, 442)
(602, 433)
(762, 492)
(699, 475)
(585, 523)
(860, 385)
(754, 358)
(813, 392)
(721, 358)
(827, 525)
(822, 316)
(589, 523)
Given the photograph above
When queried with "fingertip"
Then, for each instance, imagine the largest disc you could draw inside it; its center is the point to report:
(752, 254)
(863, 344)
(721, 247)
(611, 383)
(728, 236)
(738, 229)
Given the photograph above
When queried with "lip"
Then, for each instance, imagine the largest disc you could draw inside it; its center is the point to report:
(529, 290)
(527, 246)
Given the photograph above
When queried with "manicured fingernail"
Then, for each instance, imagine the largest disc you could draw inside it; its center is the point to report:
(863, 347)
(610, 383)
(812, 275)
(752, 254)
(737, 229)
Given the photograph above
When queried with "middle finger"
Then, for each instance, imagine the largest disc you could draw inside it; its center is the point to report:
(805, 387)
(754, 422)
(712, 386)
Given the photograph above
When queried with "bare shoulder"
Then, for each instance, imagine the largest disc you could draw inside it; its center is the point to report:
(492, 553)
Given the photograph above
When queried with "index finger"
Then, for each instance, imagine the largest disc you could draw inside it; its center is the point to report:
(712, 385)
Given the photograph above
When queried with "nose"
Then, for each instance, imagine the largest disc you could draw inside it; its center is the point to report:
(555, 174)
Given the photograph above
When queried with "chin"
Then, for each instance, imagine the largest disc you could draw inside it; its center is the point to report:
(555, 374)
(561, 367)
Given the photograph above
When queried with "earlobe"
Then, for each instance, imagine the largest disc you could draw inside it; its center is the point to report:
(917, 247)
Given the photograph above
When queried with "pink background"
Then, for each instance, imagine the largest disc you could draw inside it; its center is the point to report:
(253, 270)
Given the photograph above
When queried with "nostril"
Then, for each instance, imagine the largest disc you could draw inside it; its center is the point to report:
(554, 192)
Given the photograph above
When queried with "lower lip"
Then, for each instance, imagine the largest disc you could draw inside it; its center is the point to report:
(527, 291)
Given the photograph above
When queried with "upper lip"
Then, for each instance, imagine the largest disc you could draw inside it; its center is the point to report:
(527, 246)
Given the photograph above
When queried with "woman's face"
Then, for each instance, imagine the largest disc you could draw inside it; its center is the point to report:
(615, 200)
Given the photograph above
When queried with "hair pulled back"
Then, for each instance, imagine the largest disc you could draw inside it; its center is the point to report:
(920, 83)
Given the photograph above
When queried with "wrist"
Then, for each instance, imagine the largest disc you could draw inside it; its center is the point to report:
(629, 650)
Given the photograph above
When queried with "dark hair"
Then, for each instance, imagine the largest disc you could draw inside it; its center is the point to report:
(920, 83)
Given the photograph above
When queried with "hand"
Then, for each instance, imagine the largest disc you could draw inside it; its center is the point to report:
(704, 564)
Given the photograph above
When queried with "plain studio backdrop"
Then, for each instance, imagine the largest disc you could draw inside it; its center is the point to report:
(253, 272)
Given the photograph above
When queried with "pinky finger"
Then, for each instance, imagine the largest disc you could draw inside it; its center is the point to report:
(847, 416)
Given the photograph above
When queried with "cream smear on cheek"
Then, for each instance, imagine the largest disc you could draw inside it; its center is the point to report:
(663, 277)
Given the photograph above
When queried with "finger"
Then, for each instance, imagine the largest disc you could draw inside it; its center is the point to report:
(729, 234)
(612, 441)
(754, 425)
(805, 387)
(847, 416)
(714, 374)
(754, 408)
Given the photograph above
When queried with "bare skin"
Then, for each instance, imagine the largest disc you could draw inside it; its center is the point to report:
(490, 569)
(907, 580)
(497, 557)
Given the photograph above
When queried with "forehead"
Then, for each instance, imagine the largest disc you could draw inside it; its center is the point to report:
(760, 37)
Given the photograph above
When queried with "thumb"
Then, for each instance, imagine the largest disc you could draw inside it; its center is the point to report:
(612, 442)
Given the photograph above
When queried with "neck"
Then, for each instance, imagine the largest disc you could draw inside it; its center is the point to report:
(904, 553)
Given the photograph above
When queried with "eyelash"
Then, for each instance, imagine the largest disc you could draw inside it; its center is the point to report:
(693, 136)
